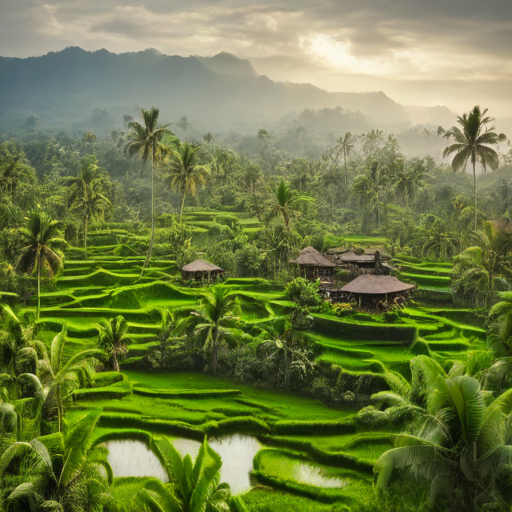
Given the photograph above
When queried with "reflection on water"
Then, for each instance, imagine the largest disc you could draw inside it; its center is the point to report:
(237, 453)
(308, 474)
(133, 458)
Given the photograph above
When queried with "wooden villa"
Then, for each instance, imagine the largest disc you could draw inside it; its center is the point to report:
(377, 291)
(201, 269)
(314, 264)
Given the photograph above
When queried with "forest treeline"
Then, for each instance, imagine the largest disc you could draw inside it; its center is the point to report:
(302, 190)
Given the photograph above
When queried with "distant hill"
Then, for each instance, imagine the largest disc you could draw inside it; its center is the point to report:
(436, 116)
(217, 93)
(227, 64)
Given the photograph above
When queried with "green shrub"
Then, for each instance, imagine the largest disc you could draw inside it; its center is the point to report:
(420, 347)
(343, 309)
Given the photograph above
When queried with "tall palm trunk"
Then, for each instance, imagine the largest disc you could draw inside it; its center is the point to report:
(150, 248)
(346, 172)
(38, 284)
(182, 205)
(215, 348)
(474, 188)
(116, 363)
(85, 235)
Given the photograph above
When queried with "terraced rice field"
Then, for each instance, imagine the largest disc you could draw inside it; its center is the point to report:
(287, 442)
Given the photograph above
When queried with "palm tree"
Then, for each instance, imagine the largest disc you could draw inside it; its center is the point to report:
(287, 357)
(61, 377)
(13, 168)
(346, 145)
(371, 139)
(194, 487)
(113, 339)
(285, 202)
(146, 140)
(87, 195)
(406, 178)
(217, 313)
(458, 443)
(41, 236)
(184, 174)
(485, 267)
(172, 326)
(370, 188)
(71, 475)
(471, 144)
(90, 138)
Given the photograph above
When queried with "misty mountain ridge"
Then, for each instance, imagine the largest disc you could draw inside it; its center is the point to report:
(218, 93)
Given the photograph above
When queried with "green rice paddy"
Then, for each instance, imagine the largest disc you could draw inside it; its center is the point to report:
(313, 453)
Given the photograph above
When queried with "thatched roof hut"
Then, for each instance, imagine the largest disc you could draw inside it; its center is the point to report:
(201, 269)
(314, 264)
(371, 285)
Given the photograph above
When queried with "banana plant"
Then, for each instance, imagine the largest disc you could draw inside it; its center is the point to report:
(60, 376)
(63, 477)
(194, 487)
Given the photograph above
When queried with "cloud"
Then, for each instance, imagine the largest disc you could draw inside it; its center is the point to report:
(331, 43)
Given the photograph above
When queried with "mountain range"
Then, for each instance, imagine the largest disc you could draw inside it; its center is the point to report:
(218, 93)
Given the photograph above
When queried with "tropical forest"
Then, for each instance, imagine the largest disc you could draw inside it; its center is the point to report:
(311, 312)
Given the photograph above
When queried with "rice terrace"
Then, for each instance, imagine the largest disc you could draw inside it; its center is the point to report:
(251, 293)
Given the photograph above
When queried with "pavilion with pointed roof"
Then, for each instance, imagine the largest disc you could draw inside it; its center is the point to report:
(313, 264)
(201, 269)
(371, 289)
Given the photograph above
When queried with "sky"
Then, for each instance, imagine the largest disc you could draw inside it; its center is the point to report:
(456, 53)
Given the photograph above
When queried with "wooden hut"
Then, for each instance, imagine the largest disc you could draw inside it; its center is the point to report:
(372, 290)
(313, 264)
(201, 269)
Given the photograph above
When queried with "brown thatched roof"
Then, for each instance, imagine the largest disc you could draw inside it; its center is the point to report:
(376, 285)
(352, 257)
(311, 257)
(201, 266)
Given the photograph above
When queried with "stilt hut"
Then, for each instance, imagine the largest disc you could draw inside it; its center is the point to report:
(377, 291)
(314, 265)
(201, 269)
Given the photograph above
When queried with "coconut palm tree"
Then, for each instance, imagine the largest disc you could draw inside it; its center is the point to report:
(286, 356)
(147, 141)
(370, 187)
(371, 140)
(194, 487)
(285, 202)
(113, 339)
(184, 173)
(40, 253)
(460, 444)
(216, 314)
(472, 145)
(346, 144)
(172, 326)
(13, 168)
(87, 195)
(406, 178)
(485, 268)
(90, 138)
